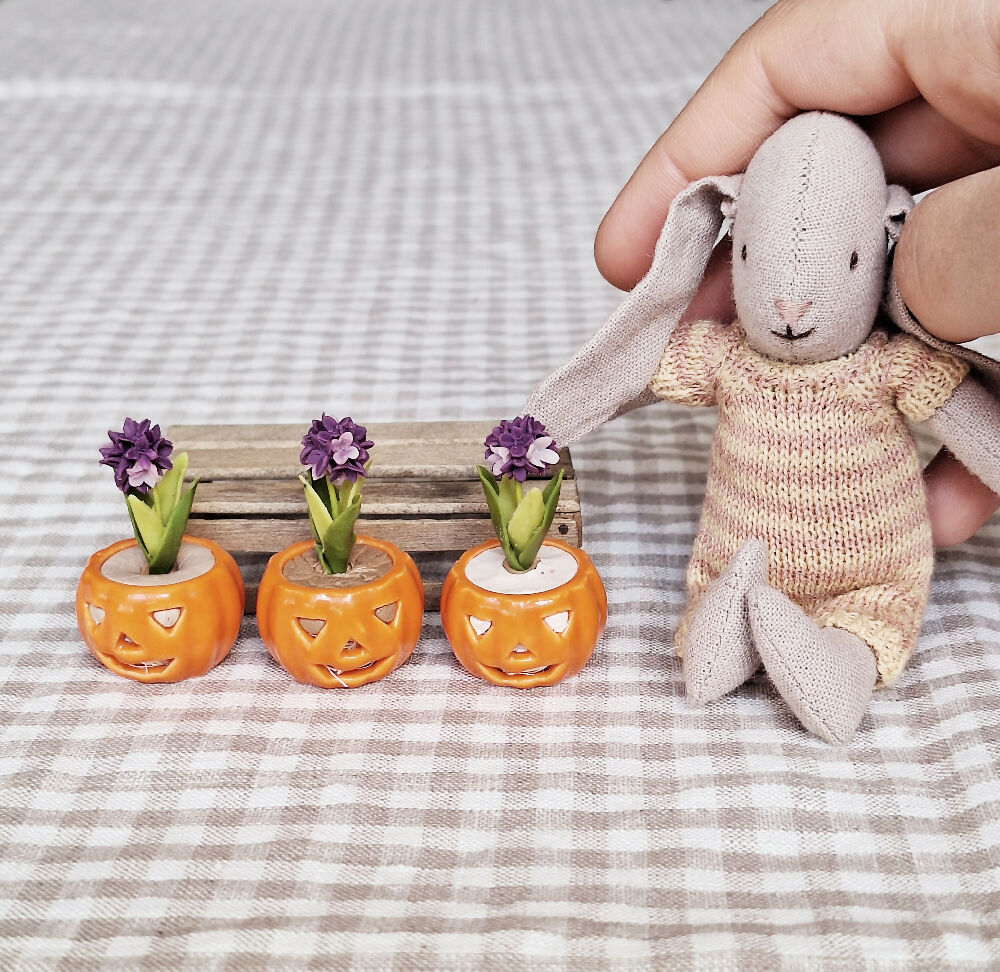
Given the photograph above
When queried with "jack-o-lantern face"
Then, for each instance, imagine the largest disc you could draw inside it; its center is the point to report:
(524, 640)
(160, 632)
(341, 637)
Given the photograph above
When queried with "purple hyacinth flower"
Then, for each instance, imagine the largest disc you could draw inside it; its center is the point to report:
(337, 449)
(520, 446)
(139, 456)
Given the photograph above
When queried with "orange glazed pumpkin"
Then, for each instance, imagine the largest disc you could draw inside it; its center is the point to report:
(165, 630)
(524, 640)
(341, 637)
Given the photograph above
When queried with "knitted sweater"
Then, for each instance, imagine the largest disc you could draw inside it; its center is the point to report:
(817, 461)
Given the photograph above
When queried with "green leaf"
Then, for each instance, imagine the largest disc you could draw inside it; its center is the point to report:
(551, 496)
(324, 563)
(149, 529)
(165, 557)
(526, 519)
(491, 489)
(135, 528)
(511, 494)
(319, 516)
(529, 552)
(532, 544)
(159, 501)
(339, 538)
(352, 495)
(322, 488)
(488, 479)
(167, 492)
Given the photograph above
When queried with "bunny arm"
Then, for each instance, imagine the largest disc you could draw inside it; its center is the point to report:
(968, 425)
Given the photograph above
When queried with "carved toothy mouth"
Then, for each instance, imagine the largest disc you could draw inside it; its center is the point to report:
(147, 666)
(351, 677)
(525, 677)
(150, 666)
(340, 671)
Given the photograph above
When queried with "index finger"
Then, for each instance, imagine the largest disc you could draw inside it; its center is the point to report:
(799, 56)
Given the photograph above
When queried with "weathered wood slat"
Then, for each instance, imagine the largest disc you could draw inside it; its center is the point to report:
(274, 497)
(405, 461)
(406, 450)
(411, 533)
(280, 435)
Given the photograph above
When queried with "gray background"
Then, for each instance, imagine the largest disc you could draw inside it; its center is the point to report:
(254, 211)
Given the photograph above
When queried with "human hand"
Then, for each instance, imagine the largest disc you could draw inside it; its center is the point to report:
(925, 76)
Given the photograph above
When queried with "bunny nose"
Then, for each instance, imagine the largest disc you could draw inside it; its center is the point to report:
(791, 311)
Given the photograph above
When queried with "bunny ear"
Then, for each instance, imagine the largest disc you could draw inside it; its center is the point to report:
(610, 374)
(897, 208)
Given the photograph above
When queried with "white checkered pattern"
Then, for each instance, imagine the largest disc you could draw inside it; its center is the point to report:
(252, 210)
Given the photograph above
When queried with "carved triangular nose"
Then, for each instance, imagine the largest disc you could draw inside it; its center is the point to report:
(521, 654)
(791, 311)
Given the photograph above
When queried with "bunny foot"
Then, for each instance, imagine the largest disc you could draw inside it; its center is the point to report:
(826, 675)
(718, 652)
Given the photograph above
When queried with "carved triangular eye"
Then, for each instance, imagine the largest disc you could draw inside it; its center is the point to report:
(558, 622)
(387, 612)
(167, 617)
(479, 625)
(96, 613)
(311, 626)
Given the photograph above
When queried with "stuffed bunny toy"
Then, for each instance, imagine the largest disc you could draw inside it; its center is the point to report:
(813, 555)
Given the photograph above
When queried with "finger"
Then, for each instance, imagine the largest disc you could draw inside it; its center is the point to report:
(794, 58)
(922, 149)
(948, 258)
(958, 503)
(951, 50)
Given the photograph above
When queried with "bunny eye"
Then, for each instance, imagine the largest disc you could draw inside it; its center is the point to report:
(854, 259)
(743, 253)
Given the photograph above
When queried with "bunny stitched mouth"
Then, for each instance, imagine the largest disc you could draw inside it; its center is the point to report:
(789, 336)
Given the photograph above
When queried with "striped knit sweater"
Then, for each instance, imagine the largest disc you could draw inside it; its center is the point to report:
(817, 461)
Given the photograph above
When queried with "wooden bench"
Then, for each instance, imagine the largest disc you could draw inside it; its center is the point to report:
(422, 492)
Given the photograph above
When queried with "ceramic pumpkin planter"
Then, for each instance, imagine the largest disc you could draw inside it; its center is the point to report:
(160, 628)
(340, 636)
(162, 607)
(344, 610)
(522, 610)
(541, 626)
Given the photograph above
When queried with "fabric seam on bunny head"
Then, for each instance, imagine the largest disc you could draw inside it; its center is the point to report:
(808, 159)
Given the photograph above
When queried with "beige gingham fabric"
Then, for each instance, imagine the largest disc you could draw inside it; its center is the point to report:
(252, 210)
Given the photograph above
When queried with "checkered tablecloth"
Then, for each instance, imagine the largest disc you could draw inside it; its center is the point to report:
(254, 210)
